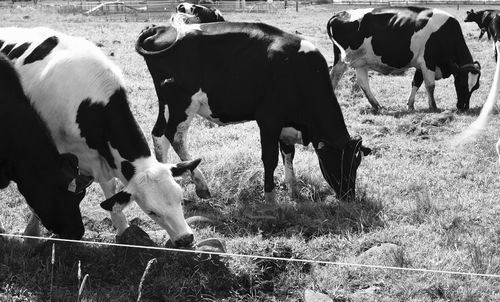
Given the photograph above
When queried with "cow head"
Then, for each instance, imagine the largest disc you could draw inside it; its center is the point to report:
(466, 81)
(471, 16)
(160, 197)
(56, 200)
(339, 166)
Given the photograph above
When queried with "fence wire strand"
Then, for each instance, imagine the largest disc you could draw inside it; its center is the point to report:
(234, 255)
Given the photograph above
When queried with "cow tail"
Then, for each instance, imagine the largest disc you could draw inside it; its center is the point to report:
(480, 123)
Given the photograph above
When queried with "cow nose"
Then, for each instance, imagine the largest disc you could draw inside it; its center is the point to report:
(184, 241)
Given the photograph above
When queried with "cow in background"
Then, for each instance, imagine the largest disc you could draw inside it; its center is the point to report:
(235, 72)
(81, 96)
(49, 181)
(488, 21)
(483, 19)
(390, 40)
(200, 13)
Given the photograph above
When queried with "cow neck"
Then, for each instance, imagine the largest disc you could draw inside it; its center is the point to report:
(463, 53)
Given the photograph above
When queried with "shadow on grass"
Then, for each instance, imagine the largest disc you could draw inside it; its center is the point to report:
(308, 219)
(114, 273)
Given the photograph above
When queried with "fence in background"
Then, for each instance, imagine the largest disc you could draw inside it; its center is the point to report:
(145, 9)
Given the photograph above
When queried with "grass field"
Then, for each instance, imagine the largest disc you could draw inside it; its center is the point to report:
(420, 203)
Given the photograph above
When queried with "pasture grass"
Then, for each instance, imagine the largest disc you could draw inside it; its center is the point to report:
(436, 206)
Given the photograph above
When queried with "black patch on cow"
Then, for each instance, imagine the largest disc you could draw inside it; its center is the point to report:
(391, 29)
(124, 133)
(1, 43)
(18, 51)
(112, 124)
(42, 50)
(128, 170)
(447, 49)
(8, 48)
(92, 121)
(121, 198)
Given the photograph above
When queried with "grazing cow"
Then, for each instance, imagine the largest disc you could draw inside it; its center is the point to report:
(235, 72)
(81, 96)
(393, 39)
(202, 14)
(48, 181)
(488, 21)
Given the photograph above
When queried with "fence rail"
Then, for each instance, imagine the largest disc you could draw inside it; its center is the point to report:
(140, 7)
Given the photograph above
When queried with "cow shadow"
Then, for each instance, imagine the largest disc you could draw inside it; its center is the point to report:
(323, 214)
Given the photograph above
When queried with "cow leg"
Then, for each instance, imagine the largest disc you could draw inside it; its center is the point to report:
(178, 141)
(117, 216)
(363, 82)
(483, 30)
(287, 154)
(336, 73)
(269, 144)
(32, 229)
(429, 80)
(418, 78)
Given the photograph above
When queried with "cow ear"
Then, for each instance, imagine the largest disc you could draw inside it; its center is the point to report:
(184, 167)
(478, 66)
(122, 198)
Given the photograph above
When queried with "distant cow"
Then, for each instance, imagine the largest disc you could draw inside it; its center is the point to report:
(235, 72)
(483, 19)
(81, 96)
(488, 21)
(393, 39)
(48, 181)
(202, 13)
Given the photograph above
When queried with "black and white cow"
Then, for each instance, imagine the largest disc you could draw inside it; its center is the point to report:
(393, 39)
(201, 14)
(488, 21)
(81, 96)
(483, 19)
(235, 72)
(28, 156)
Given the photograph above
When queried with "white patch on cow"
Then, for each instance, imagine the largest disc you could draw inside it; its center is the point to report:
(472, 80)
(306, 46)
(291, 136)
(184, 23)
(419, 39)
(357, 14)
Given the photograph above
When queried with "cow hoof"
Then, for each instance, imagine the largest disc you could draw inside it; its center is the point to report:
(411, 108)
(203, 193)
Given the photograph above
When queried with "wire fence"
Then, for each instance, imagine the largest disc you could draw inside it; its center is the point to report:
(153, 7)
